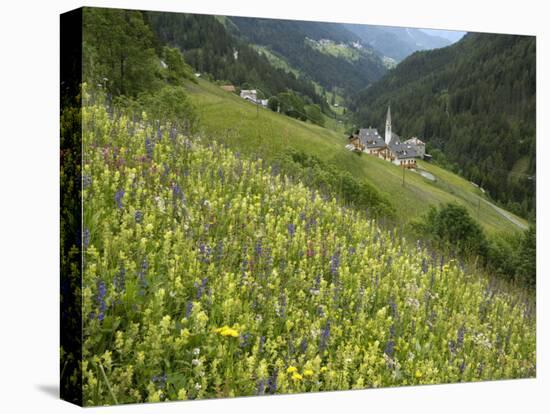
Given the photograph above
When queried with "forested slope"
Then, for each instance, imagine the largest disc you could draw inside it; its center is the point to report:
(474, 101)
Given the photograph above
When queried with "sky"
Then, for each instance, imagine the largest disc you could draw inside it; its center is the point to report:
(452, 35)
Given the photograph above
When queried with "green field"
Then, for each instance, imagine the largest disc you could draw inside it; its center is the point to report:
(243, 127)
(207, 276)
(279, 62)
(336, 49)
(276, 60)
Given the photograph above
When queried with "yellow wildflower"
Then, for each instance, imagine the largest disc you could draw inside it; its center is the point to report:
(291, 369)
(323, 369)
(227, 331)
(296, 377)
(308, 373)
(418, 374)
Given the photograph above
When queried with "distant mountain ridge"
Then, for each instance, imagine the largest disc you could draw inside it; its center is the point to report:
(397, 42)
(317, 49)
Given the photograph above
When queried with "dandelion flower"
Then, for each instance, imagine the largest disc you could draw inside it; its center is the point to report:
(296, 377)
(291, 370)
(418, 374)
(227, 331)
(324, 369)
(308, 373)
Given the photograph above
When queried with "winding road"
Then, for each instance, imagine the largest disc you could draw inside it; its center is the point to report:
(506, 215)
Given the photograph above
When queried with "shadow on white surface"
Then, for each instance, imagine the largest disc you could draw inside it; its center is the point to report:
(51, 390)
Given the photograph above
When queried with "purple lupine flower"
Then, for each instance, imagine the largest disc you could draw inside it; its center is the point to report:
(177, 193)
(101, 293)
(221, 175)
(261, 387)
(390, 344)
(188, 309)
(303, 346)
(202, 287)
(312, 222)
(272, 382)
(291, 230)
(261, 345)
(173, 132)
(138, 216)
(393, 307)
(462, 367)
(460, 336)
(205, 251)
(452, 347)
(480, 369)
(244, 340)
(159, 133)
(424, 265)
(141, 275)
(149, 147)
(335, 263)
(118, 198)
(159, 380)
(86, 237)
(119, 280)
(258, 248)
(283, 306)
(389, 348)
(219, 251)
(86, 181)
(325, 336)
(392, 330)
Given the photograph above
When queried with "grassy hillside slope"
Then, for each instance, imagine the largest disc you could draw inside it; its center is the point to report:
(245, 128)
(205, 275)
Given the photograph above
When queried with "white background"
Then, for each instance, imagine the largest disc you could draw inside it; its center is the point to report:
(29, 177)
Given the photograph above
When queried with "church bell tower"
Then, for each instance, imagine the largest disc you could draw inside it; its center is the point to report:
(387, 137)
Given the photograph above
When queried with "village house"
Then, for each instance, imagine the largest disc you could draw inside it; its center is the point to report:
(228, 88)
(251, 95)
(389, 147)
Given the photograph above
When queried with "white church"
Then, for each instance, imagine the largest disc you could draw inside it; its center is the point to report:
(389, 147)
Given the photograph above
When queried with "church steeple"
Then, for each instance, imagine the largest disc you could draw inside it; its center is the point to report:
(388, 127)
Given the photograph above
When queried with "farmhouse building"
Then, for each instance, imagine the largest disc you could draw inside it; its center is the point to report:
(389, 147)
(251, 95)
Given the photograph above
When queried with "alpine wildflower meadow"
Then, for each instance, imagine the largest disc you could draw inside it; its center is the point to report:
(208, 274)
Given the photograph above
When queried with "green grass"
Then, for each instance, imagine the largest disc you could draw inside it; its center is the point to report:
(277, 61)
(336, 49)
(281, 63)
(206, 276)
(231, 119)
